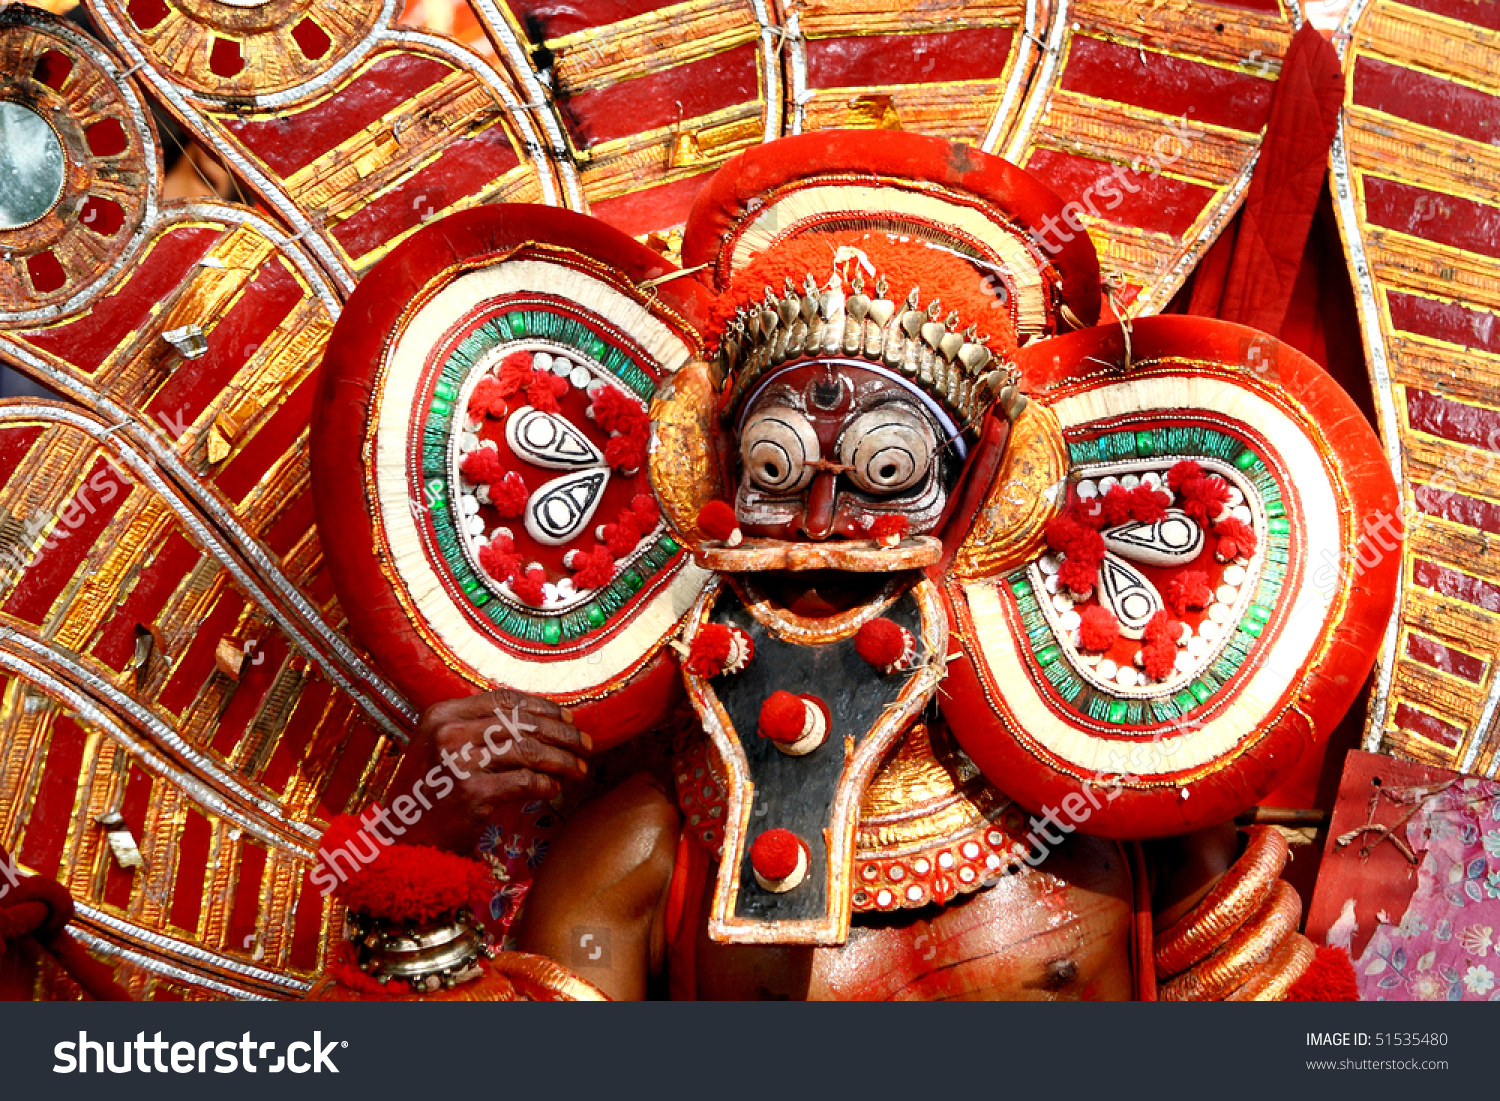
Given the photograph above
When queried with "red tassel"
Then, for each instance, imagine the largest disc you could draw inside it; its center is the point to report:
(1189, 592)
(528, 586)
(881, 642)
(1099, 628)
(483, 466)
(1236, 539)
(509, 495)
(1329, 978)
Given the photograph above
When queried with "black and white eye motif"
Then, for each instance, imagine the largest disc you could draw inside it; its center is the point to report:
(778, 447)
(888, 450)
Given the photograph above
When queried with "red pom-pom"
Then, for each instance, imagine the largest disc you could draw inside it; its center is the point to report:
(487, 400)
(717, 521)
(622, 536)
(783, 717)
(1159, 658)
(543, 389)
(396, 882)
(776, 854)
(1236, 539)
(1098, 628)
(889, 529)
(616, 411)
(1148, 504)
(499, 558)
(1329, 978)
(881, 642)
(1063, 531)
(711, 649)
(1115, 506)
(1077, 576)
(483, 465)
(509, 495)
(1189, 592)
(515, 373)
(1204, 498)
(593, 568)
(626, 451)
(647, 511)
(528, 586)
(1185, 471)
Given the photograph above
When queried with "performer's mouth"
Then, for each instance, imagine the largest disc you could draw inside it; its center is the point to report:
(818, 594)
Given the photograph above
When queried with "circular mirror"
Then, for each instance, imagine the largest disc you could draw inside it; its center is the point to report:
(31, 166)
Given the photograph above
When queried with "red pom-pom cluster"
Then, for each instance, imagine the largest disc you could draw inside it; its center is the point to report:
(397, 882)
(882, 642)
(487, 400)
(776, 853)
(1075, 537)
(1202, 496)
(1097, 629)
(783, 717)
(1158, 657)
(542, 389)
(1144, 503)
(499, 559)
(1189, 592)
(631, 525)
(717, 521)
(628, 425)
(483, 466)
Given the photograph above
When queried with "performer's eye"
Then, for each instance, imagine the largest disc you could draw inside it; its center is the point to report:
(778, 447)
(887, 450)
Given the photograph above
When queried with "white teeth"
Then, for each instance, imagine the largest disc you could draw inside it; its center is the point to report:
(468, 506)
(1234, 575)
(1243, 514)
(1088, 488)
(1106, 484)
(1219, 613)
(468, 442)
(475, 525)
(579, 378)
(1197, 647)
(1127, 677)
(1048, 564)
(561, 367)
(542, 361)
(1062, 603)
(1184, 662)
(1208, 630)
(1069, 621)
(1106, 669)
(1235, 497)
(1227, 594)
(1130, 481)
(1051, 584)
(1152, 479)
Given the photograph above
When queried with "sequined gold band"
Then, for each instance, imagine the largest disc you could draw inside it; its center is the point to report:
(1287, 964)
(1243, 954)
(1234, 898)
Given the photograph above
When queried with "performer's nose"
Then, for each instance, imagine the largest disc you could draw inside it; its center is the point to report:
(817, 521)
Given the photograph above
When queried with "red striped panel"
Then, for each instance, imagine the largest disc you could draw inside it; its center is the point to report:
(287, 530)
(241, 473)
(164, 570)
(1482, 13)
(88, 341)
(118, 881)
(51, 812)
(651, 101)
(1445, 321)
(1460, 586)
(1428, 726)
(294, 743)
(1458, 507)
(244, 911)
(287, 142)
(266, 301)
(192, 866)
(307, 930)
(1426, 100)
(976, 53)
(464, 168)
(547, 19)
(1429, 651)
(15, 445)
(82, 519)
(650, 208)
(262, 664)
(1159, 204)
(1434, 216)
(1469, 425)
(357, 746)
(1171, 85)
(195, 666)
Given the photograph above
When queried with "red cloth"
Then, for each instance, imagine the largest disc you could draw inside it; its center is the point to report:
(33, 913)
(1250, 274)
